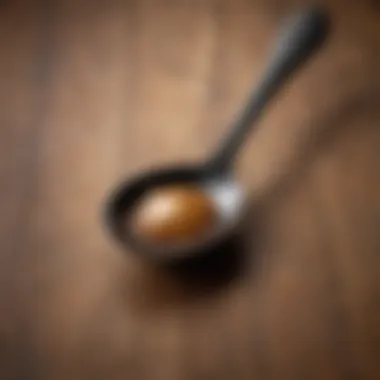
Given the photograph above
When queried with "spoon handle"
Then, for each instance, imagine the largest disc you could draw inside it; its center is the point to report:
(299, 37)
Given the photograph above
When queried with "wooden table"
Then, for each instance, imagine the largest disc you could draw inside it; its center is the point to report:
(93, 91)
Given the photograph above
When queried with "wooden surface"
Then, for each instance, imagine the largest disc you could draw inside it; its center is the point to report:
(92, 91)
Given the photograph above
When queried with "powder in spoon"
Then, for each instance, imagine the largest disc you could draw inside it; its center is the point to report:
(173, 214)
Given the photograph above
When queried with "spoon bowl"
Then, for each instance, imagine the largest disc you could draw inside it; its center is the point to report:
(222, 190)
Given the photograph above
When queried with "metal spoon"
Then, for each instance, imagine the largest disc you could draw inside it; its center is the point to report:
(298, 39)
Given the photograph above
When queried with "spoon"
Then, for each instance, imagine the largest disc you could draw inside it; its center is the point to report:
(298, 39)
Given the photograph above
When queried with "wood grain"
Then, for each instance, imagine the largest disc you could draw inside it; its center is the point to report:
(93, 91)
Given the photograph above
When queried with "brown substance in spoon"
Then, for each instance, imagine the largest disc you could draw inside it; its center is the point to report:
(173, 215)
